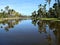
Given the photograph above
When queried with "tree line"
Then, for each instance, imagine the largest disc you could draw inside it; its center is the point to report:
(53, 12)
(7, 12)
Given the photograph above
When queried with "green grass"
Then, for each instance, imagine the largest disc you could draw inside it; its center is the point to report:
(54, 19)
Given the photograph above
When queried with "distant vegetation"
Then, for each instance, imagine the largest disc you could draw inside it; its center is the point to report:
(53, 12)
(7, 12)
(42, 12)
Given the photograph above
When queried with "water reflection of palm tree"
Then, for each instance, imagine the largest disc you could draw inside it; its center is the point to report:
(49, 36)
(41, 26)
(49, 40)
(53, 26)
(57, 32)
(34, 22)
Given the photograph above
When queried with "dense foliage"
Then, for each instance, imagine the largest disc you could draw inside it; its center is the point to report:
(8, 13)
(53, 12)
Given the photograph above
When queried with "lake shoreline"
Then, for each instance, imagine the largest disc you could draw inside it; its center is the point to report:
(10, 18)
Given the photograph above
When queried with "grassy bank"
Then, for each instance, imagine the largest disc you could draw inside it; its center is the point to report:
(54, 19)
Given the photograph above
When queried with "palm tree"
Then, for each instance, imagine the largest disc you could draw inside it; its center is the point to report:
(57, 8)
(44, 10)
(39, 5)
(48, 1)
(58, 1)
(1, 10)
(40, 11)
(6, 8)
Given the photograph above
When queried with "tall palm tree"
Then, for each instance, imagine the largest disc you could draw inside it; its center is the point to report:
(40, 11)
(44, 7)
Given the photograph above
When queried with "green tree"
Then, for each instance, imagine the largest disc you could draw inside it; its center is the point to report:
(57, 9)
(6, 8)
(42, 11)
(1, 10)
(48, 1)
(52, 13)
(34, 14)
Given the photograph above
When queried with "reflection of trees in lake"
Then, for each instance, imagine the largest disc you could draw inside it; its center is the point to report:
(34, 21)
(54, 26)
(10, 24)
(41, 26)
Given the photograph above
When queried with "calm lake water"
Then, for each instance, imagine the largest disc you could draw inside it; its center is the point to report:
(29, 32)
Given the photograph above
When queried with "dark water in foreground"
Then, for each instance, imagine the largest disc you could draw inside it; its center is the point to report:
(29, 32)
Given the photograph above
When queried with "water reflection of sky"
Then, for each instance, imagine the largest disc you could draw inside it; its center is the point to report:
(25, 32)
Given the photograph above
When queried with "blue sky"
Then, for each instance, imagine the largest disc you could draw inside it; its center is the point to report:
(25, 7)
